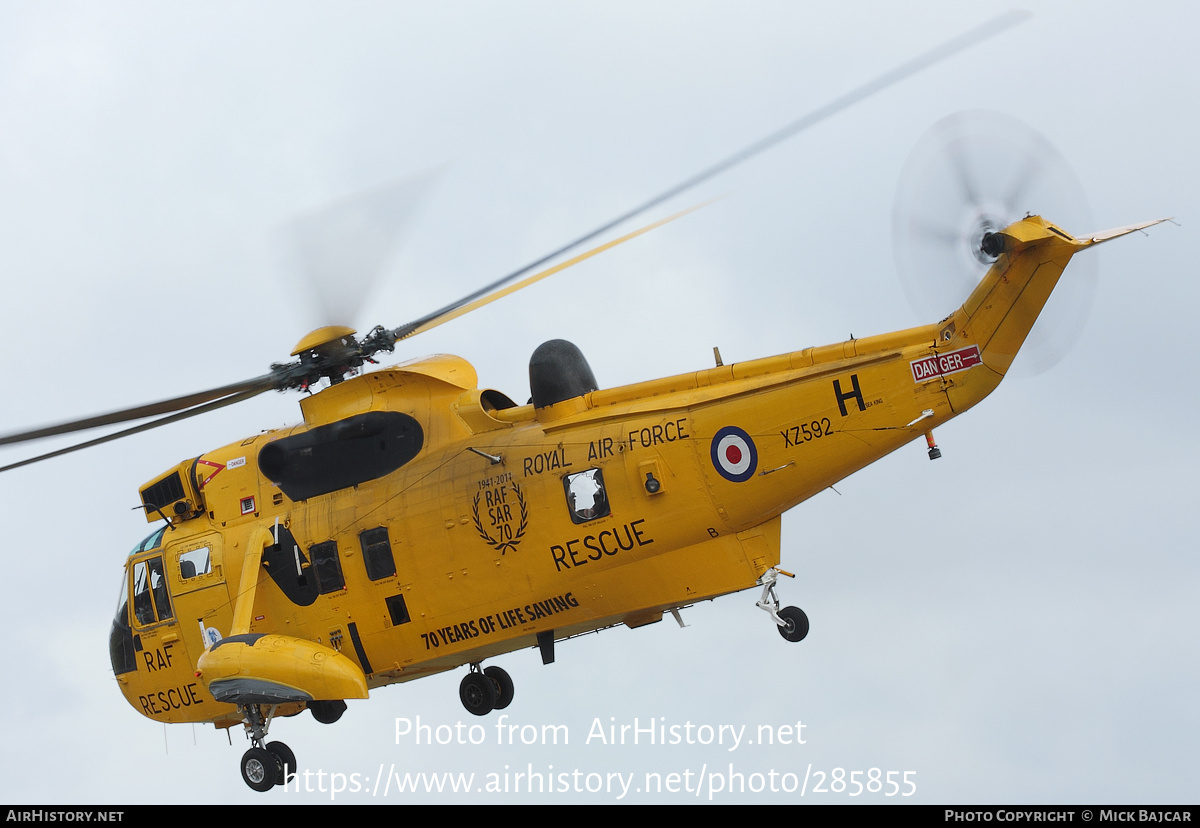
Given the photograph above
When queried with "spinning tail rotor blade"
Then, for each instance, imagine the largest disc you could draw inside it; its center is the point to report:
(976, 173)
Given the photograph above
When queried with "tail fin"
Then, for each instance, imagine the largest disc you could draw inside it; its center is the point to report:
(1000, 312)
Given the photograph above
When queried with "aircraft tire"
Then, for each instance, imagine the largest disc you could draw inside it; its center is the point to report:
(477, 693)
(504, 686)
(285, 761)
(795, 624)
(259, 769)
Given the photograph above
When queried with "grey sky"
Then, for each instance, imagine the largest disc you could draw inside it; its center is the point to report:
(1015, 622)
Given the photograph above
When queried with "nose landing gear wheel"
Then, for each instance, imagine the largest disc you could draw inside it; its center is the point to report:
(478, 694)
(259, 769)
(795, 624)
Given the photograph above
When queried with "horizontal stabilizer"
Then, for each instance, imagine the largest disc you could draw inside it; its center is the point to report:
(1105, 235)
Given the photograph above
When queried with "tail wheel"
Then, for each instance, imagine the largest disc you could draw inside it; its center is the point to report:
(795, 624)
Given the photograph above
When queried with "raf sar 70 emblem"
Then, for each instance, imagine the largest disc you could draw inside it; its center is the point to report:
(505, 513)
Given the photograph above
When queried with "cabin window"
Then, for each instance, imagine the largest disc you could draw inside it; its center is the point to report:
(587, 498)
(327, 566)
(377, 553)
(150, 600)
(398, 609)
(194, 563)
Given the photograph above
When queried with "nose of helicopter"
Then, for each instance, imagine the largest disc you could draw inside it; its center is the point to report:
(121, 648)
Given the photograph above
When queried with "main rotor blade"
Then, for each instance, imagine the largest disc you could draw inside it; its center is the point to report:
(174, 418)
(537, 277)
(341, 249)
(140, 412)
(951, 47)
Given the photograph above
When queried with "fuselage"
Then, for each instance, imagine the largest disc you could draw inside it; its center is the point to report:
(413, 523)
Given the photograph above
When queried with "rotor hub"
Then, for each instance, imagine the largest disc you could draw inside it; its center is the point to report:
(985, 226)
(322, 337)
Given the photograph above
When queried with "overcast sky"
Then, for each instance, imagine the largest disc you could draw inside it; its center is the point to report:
(1016, 622)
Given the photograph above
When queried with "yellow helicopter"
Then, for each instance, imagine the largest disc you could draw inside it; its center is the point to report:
(415, 523)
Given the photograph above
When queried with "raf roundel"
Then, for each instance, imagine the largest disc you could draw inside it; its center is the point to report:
(734, 455)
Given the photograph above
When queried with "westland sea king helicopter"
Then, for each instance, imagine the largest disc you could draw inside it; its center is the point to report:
(414, 523)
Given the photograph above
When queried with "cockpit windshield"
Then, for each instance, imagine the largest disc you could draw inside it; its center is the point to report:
(151, 541)
(121, 650)
(122, 615)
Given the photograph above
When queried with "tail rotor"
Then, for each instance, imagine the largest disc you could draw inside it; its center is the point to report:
(973, 174)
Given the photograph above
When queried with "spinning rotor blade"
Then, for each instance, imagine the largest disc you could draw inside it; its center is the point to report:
(174, 418)
(355, 238)
(341, 249)
(975, 173)
(537, 277)
(948, 49)
(204, 401)
(242, 390)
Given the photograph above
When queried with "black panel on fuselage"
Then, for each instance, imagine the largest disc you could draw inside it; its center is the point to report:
(342, 454)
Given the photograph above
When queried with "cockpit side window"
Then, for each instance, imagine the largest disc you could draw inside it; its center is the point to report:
(151, 602)
(143, 604)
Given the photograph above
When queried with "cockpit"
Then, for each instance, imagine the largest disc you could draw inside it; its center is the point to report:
(151, 601)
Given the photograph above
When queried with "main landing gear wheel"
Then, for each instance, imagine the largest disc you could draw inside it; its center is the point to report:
(478, 693)
(264, 765)
(260, 769)
(285, 762)
(504, 686)
(795, 624)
